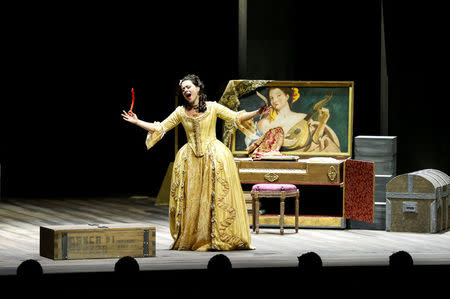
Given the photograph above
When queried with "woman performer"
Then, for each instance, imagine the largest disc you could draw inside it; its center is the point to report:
(207, 209)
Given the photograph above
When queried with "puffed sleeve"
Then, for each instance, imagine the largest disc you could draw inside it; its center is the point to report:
(162, 127)
(247, 127)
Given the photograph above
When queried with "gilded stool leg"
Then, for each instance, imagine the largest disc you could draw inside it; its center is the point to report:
(257, 213)
(253, 211)
(283, 196)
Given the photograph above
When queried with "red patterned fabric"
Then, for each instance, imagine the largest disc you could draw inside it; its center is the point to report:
(359, 184)
(268, 144)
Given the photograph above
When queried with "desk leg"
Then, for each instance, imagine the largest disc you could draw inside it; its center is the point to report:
(283, 196)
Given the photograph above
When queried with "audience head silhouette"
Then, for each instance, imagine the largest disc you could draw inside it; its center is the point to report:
(219, 262)
(400, 261)
(30, 270)
(126, 265)
(309, 261)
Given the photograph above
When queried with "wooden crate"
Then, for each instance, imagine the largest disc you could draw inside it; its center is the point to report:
(418, 202)
(90, 241)
(382, 150)
(379, 222)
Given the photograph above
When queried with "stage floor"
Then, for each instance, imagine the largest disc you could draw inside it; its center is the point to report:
(20, 220)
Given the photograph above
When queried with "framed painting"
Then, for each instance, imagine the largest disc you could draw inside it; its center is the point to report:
(316, 116)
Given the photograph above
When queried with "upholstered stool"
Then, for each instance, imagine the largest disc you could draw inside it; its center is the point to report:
(274, 190)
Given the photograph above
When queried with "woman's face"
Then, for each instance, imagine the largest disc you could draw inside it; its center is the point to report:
(190, 91)
(278, 99)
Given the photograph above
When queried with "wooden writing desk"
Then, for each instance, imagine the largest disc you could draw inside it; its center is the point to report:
(321, 172)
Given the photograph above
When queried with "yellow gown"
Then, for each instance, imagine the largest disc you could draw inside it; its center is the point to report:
(207, 209)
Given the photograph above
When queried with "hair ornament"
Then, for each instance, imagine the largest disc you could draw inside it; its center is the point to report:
(295, 95)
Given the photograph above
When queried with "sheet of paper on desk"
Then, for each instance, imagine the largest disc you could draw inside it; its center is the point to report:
(243, 159)
(321, 160)
(280, 157)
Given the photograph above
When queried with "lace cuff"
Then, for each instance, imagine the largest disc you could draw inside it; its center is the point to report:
(247, 127)
(153, 138)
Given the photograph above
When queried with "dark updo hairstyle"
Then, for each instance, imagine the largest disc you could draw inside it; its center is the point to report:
(197, 82)
(287, 91)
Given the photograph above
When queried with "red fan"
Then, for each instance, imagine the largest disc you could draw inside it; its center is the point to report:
(132, 101)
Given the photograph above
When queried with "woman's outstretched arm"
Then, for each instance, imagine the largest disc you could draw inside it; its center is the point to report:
(132, 118)
(248, 115)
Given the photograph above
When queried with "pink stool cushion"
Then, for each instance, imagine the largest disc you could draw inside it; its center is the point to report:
(273, 187)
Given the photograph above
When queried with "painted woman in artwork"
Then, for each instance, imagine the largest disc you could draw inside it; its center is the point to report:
(207, 209)
(301, 132)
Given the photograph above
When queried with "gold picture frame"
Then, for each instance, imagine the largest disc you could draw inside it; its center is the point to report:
(316, 116)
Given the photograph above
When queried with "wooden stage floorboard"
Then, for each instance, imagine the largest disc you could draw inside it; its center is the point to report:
(20, 220)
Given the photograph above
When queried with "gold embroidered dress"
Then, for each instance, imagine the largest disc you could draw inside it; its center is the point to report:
(207, 209)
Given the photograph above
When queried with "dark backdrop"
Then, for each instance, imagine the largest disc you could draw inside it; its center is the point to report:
(70, 68)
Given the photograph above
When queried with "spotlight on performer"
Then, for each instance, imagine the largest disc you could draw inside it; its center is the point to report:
(219, 263)
(309, 262)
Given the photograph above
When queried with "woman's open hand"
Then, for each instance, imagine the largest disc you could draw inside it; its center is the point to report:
(263, 110)
(324, 115)
(130, 117)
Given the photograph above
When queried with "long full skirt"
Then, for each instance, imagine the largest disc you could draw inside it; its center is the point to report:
(207, 209)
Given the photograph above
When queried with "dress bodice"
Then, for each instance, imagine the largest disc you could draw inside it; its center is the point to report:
(200, 130)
